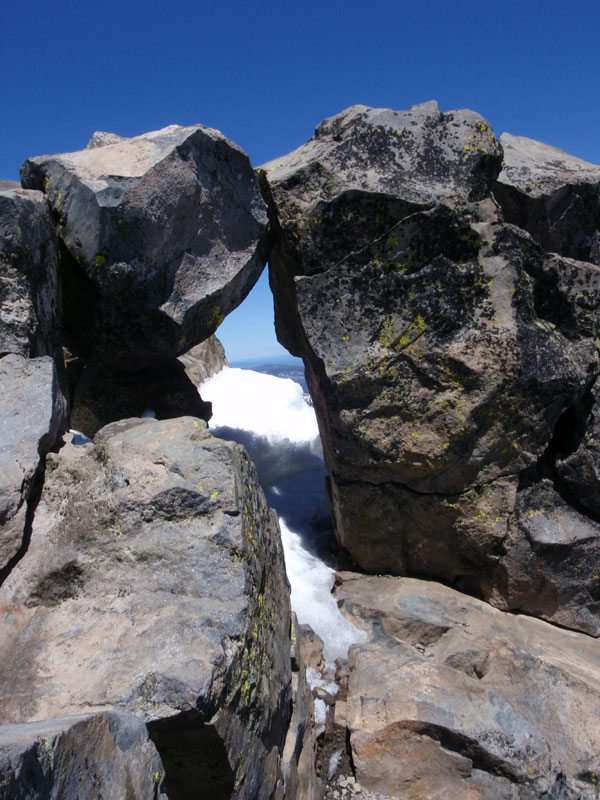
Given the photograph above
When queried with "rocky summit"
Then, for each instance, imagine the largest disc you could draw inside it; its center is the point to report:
(442, 286)
(162, 235)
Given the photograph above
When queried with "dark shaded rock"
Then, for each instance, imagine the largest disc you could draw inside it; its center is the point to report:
(32, 416)
(162, 234)
(29, 297)
(299, 756)
(165, 390)
(363, 171)
(443, 348)
(204, 360)
(154, 584)
(106, 755)
(453, 697)
(552, 564)
(551, 194)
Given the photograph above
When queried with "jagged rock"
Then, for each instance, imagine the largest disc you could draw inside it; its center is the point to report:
(310, 647)
(299, 755)
(551, 194)
(552, 564)
(32, 416)
(154, 584)
(204, 360)
(163, 235)
(29, 298)
(443, 347)
(363, 171)
(580, 470)
(102, 756)
(102, 138)
(164, 390)
(452, 697)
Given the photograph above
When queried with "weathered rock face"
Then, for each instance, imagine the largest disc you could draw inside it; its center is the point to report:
(551, 194)
(204, 360)
(32, 402)
(154, 585)
(163, 235)
(29, 298)
(32, 415)
(65, 759)
(445, 351)
(453, 698)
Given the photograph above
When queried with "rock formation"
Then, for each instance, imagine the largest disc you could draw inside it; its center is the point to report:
(442, 288)
(154, 585)
(162, 236)
(451, 697)
(447, 354)
(32, 403)
(551, 194)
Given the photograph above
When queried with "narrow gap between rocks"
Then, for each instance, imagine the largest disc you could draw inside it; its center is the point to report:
(32, 504)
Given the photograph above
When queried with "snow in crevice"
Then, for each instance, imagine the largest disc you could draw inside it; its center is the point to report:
(272, 419)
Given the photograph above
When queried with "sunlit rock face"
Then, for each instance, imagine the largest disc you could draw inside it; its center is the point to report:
(154, 584)
(453, 698)
(32, 397)
(551, 194)
(446, 353)
(162, 236)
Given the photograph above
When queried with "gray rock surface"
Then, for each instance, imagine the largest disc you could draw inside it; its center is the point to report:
(551, 194)
(32, 416)
(204, 360)
(29, 297)
(154, 584)
(445, 351)
(451, 697)
(163, 235)
(103, 756)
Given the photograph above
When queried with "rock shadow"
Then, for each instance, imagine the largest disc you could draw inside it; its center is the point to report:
(194, 757)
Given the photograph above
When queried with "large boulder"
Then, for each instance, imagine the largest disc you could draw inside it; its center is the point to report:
(444, 349)
(551, 194)
(453, 698)
(32, 416)
(33, 402)
(154, 584)
(162, 235)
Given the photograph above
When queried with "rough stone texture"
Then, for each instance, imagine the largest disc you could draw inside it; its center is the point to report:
(580, 471)
(154, 584)
(363, 171)
(453, 698)
(163, 235)
(299, 754)
(551, 194)
(103, 756)
(32, 416)
(29, 298)
(445, 351)
(165, 389)
(204, 360)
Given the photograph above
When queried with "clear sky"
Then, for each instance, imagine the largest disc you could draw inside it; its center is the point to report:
(266, 73)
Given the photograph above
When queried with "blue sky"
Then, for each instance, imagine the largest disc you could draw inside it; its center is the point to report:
(267, 73)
